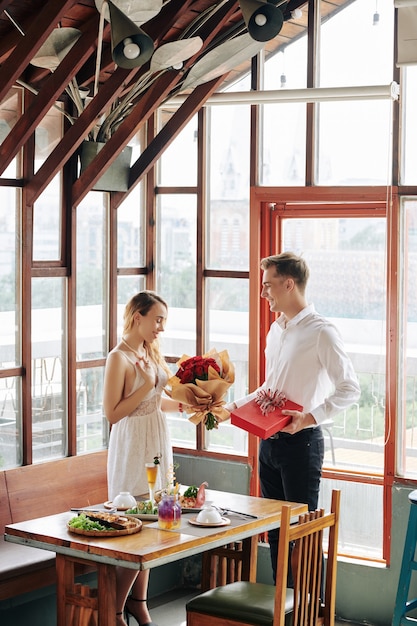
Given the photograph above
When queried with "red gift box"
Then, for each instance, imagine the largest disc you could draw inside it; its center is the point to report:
(250, 417)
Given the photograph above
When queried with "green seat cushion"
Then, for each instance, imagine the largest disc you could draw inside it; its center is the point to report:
(249, 602)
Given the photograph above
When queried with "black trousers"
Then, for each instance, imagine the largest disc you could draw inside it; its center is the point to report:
(290, 469)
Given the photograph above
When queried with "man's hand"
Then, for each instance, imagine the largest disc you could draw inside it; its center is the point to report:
(299, 421)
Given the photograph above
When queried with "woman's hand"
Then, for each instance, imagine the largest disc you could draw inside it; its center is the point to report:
(147, 372)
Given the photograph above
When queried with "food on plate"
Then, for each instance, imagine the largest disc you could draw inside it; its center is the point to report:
(192, 498)
(143, 507)
(98, 521)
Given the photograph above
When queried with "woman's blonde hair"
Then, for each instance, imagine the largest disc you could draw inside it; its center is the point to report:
(142, 303)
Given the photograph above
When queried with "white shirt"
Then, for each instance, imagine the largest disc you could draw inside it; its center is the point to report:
(306, 360)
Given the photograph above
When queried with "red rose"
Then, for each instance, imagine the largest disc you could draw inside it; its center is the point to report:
(196, 368)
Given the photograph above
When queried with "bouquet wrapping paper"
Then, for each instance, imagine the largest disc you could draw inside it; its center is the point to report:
(201, 384)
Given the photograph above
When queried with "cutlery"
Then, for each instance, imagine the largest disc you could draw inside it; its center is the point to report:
(75, 510)
(244, 515)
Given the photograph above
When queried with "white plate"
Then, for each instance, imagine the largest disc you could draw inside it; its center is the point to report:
(225, 522)
(151, 517)
(110, 505)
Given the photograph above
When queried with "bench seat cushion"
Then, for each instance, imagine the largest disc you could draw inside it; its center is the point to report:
(251, 603)
(16, 559)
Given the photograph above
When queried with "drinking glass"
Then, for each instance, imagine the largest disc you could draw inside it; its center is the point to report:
(151, 474)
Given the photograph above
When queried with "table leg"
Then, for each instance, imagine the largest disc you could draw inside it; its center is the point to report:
(76, 603)
(106, 591)
(250, 557)
(64, 582)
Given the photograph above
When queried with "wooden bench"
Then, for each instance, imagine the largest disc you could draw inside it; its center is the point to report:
(36, 491)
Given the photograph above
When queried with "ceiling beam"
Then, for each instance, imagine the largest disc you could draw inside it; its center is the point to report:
(167, 134)
(51, 91)
(77, 133)
(137, 117)
(41, 26)
(145, 107)
(107, 93)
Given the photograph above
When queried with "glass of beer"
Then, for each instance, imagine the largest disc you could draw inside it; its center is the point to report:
(151, 474)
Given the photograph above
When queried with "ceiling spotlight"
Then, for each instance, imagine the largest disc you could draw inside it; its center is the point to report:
(130, 50)
(263, 19)
(375, 18)
(296, 14)
(260, 19)
(131, 46)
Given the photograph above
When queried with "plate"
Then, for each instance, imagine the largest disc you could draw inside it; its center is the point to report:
(132, 526)
(225, 522)
(110, 505)
(151, 517)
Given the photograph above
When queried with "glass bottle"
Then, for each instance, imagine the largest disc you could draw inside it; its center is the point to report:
(169, 512)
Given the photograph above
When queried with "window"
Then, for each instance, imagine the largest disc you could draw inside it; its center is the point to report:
(10, 343)
(407, 402)
(192, 230)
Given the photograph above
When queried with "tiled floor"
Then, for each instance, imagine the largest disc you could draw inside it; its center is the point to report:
(168, 610)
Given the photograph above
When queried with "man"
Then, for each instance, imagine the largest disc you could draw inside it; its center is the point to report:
(305, 360)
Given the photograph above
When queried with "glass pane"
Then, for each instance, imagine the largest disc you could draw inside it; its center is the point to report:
(409, 126)
(182, 431)
(10, 422)
(227, 304)
(48, 134)
(407, 411)
(283, 150)
(342, 62)
(357, 151)
(92, 425)
(228, 188)
(49, 360)
(176, 262)
(288, 67)
(10, 111)
(177, 166)
(131, 230)
(47, 218)
(361, 523)
(342, 253)
(127, 286)
(9, 281)
(91, 277)
(283, 126)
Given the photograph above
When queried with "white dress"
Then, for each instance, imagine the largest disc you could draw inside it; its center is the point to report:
(137, 439)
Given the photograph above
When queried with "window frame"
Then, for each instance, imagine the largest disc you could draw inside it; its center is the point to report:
(336, 202)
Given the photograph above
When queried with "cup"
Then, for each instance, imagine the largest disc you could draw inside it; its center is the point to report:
(151, 475)
(124, 500)
(209, 514)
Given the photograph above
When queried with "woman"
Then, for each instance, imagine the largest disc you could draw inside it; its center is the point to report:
(135, 376)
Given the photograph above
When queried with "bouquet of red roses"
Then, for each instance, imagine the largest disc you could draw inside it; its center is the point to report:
(201, 383)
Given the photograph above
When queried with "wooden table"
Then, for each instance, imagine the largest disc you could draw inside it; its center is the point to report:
(144, 550)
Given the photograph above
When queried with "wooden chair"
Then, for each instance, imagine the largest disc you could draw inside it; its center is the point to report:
(244, 603)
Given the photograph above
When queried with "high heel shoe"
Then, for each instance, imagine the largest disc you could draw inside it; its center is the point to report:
(129, 612)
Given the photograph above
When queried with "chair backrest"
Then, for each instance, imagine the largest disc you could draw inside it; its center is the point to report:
(303, 544)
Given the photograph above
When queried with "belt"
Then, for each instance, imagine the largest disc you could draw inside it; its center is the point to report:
(282, 435)
(279, 435)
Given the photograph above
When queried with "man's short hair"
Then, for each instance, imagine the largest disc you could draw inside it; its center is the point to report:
(289, 265)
